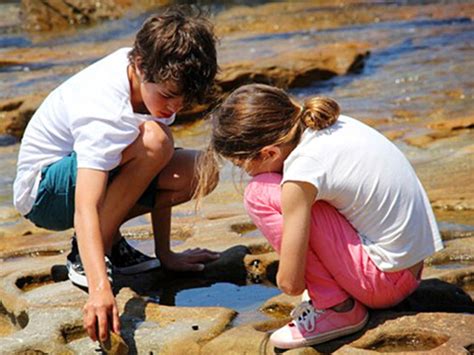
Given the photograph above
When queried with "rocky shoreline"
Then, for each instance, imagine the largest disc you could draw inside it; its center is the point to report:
(41, 311)
(44, 308)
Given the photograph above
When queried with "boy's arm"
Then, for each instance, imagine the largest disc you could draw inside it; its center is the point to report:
(189, 260)
(297, 200)
(101, 306)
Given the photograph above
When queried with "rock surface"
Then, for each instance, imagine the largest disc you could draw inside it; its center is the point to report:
(40, 311)
(46, 310)
(59, 14)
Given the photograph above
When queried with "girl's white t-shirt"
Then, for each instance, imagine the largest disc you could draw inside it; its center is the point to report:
(91, 114)
(372, 184)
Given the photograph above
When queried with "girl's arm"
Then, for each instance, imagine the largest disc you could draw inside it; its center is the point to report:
(297, 199)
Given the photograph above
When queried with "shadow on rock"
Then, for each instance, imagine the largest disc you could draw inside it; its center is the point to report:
(229, 267)
(133, 315)
(434, 295)
(165, 284)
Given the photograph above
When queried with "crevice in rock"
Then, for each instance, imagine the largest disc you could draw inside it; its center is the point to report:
(412, 341)
(242, 228)
(21, 320)
(72, 332)
(30, 282)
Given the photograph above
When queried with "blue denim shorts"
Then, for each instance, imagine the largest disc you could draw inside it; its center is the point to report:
(54, 204)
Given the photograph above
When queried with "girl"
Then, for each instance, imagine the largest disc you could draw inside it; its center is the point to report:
(338, 201)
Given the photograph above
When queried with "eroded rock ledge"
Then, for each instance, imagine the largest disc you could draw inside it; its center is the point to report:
(44, 309)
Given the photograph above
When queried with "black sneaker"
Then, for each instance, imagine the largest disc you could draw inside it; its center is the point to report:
(75, 269)
(128, 260)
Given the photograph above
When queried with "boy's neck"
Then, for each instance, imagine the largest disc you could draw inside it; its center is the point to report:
(135, 93)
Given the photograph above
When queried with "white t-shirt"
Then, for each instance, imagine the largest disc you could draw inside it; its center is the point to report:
(361, 173)
(91, 114)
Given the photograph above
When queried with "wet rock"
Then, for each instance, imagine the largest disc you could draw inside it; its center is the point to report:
(291, 69)
(6, 139)
(34, 244)
(261, 268)
(297, 16)
(15, 113)
(454, 124)
(114, 345)
(240, 340)
(442, 129)
(165, 330)
(296, 68)
(456, 250)
(280, 306)
(438, 333)
(59, 14)
(394, 135)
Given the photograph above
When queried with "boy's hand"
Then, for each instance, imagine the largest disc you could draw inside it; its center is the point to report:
(101, 314)
(189, 260)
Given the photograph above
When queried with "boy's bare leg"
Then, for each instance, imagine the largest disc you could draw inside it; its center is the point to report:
(175, 185)
(141, 161)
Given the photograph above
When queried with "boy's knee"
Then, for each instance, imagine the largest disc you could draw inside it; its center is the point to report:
(157, 142)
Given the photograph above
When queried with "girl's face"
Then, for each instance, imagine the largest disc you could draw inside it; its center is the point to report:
(269, 160)
(161, 99)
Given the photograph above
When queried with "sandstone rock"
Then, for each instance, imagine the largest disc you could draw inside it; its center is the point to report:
(302, 351)
(292, 16)
(287, 69)
(15, 113)
(240, 340)
(456, 250)
(162, 329)
(442, 129)
(262, 268)
(59, 14)
(454, 124)
(114, 345)
(437, 333)
(296, 68)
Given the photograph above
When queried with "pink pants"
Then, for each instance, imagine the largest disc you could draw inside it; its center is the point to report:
(337, 266)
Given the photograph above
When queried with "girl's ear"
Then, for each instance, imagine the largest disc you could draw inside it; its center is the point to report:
(270, 152)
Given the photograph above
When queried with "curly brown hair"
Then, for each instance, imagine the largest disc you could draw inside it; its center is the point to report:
(178, 45)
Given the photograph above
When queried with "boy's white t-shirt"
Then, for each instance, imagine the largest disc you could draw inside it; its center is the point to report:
(371, 183)
(91, 114)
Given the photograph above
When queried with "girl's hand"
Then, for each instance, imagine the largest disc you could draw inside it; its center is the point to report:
(101, 314)
(189, 260)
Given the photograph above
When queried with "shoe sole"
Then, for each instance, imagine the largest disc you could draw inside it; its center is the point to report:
(77, 279)
(135, 269)
(326, 337)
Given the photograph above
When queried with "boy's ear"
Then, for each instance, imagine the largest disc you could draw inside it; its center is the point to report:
(137, 65)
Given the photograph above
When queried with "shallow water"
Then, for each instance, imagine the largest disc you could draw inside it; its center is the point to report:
(244, 299)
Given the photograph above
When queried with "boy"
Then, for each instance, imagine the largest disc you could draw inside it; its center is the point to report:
(98, 152)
